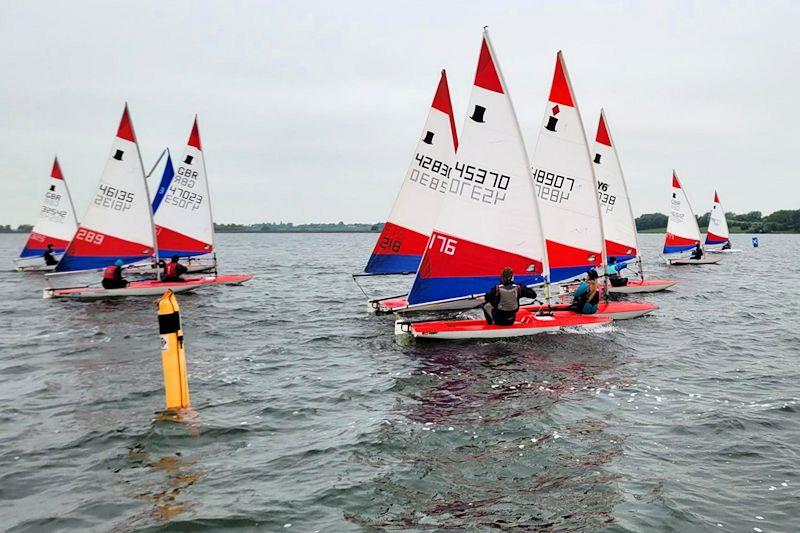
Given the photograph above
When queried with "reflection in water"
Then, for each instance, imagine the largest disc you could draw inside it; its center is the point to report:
(493, 446)
(177, 473)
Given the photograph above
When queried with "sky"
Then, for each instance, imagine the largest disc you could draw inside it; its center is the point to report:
(311, 111)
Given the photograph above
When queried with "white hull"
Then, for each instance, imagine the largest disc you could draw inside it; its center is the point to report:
(728, 251)
(638, 289)
(94, 294)
(375, 307)
(702, 261)
(35, 268)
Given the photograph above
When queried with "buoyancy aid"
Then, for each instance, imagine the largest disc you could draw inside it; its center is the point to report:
(508, 298)
(110, 272)
(171, 270)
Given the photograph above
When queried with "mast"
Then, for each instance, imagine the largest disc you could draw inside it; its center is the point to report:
(147, 192)
(627, 194)
(545, 260)
(603, 258)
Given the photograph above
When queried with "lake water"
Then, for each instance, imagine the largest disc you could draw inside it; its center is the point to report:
(309, 417)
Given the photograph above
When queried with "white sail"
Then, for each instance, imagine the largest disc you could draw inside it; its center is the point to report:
(489, 218)
(566, 188)
(404, 237)
(619, 224)
(182, 204)
(118, 223)
(683, 233)
(56, 223)
(717, 234)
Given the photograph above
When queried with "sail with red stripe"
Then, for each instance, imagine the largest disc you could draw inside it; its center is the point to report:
(182, 207)
(683, 233)
(56, 223)
(566, 188)
(717, 234)
(489, 218)
(402, 242)
(619, 225)
(118, 223)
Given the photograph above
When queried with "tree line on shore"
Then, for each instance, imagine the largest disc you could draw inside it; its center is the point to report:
(783, 221)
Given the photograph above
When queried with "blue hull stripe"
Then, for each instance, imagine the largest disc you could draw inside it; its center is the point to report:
(70, 263)
(678, 249)
(435, 289)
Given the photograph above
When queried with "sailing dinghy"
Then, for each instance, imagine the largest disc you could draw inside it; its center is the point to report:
(55, 225)
(717, 234)
(402, 242)
(118, 225)
(683, 233)
(619, 224)
(489, 219)
(182, 210)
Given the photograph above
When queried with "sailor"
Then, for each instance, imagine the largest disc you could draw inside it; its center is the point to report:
(613, 269)
(112, 276)
(502, 300)
(697, 253)
(174, 270)
(49, 260)
(727, 245)
(586, 296)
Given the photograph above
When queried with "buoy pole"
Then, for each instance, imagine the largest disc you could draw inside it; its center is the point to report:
(173, 357)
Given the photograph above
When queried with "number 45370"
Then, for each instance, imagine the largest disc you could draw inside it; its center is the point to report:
(446, 245)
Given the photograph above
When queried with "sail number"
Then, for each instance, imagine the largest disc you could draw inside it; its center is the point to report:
(551, 186)
(53, 215)
(180, 196)
(388, 244)
(91, 237)
(113, 198)
(607, 201)
(471, 182)
(446, 245)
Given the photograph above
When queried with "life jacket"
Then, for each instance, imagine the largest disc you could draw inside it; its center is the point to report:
(508, 298)
(110, 272)
(171, 270)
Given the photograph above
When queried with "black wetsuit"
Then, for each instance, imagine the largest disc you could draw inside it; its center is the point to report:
(502, 302)
(49, 260)
(698, 253)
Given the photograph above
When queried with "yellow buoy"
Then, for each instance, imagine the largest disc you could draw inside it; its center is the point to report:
(173, 357)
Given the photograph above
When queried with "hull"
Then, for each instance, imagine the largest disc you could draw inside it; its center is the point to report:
(400, 305)
(145, 288)
(35, 268)
(705, 260)
(194, 267)
(526, 325)
(635, 286)
(728, 251)
(615, 310)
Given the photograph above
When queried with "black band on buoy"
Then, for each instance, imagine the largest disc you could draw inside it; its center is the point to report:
(170, 323)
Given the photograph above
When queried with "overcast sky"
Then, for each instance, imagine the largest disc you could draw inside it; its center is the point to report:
(311, 111)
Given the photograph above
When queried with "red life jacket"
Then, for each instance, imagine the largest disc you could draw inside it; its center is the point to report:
(171, 270)
(110, 272)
